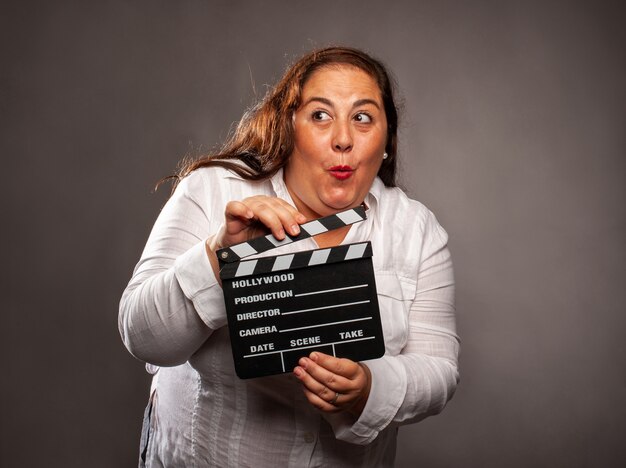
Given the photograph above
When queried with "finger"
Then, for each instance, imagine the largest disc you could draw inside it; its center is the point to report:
(291, 218)
(337, 366)
(320, 403)
(327, 400)
(238, 218)
(276, 214)
(238, 210)
(288, 214)
(318, 395)
(325, 378)
(266, 215)
(298, 217)
(315, 386)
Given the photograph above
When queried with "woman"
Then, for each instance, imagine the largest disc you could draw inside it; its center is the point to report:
(324, 140)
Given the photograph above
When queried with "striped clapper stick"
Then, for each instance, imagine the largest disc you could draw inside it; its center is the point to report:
(284, 307)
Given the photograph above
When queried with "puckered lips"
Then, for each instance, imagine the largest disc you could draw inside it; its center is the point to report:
(341, 172)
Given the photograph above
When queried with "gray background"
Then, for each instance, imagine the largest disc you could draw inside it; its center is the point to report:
(513, 133)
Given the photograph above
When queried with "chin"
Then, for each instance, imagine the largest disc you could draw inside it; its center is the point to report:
(339, 205)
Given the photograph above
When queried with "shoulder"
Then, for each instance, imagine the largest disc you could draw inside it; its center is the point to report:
(215, 186)
(404, 214)
(407, 232)
(208, 175)
(214, 179)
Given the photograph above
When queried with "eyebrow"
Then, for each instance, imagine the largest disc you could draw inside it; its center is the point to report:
(328, 102)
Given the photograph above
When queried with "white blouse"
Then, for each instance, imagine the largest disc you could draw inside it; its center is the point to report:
(172, 316)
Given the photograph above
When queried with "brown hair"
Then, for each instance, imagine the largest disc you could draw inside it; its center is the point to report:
(264, 137)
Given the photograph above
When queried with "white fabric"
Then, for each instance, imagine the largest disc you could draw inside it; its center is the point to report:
(172, 315)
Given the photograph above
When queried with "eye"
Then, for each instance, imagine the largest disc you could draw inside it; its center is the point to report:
(320, 116)
(362, 117)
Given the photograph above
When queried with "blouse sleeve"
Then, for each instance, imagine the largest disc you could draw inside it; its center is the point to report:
(420, 380)
(173, 301)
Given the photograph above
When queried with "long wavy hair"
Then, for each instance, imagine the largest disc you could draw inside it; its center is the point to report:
(264, 138)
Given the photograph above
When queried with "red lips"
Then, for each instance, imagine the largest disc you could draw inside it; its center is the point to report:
(341, 172)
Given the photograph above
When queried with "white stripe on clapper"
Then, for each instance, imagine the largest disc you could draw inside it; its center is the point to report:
(276, 242)
(349, 217)
(314, 228)
(243, 250)
(246, 268)
(283, 262)
(319, 257)
(355, 251)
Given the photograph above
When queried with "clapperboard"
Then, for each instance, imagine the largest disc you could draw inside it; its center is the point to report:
(284, 307)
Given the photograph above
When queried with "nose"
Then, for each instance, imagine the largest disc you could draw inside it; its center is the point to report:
(342, 137)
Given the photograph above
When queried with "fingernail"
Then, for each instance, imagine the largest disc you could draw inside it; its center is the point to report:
(295, 229)
(298, 372)
(280, 234)
(313, 356)
(301, 218)
(302, 362)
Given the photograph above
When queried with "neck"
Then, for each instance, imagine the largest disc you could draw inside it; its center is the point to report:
(303, 207)
(332, 238)
(328, 239)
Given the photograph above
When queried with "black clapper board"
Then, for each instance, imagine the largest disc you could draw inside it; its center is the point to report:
(284, 307)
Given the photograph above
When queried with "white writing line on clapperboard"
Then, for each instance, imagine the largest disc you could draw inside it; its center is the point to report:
(325, 307)
(272, 329)
(324, 324)
(332, 290)
(305, 347)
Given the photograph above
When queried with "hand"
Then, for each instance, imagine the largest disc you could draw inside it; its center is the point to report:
(334, 384)
(250, 218)
(255, 216)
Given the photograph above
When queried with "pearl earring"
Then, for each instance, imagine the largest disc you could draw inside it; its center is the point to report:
(385, 155)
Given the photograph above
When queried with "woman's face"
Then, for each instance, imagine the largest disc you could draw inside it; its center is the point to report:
(340, 137)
